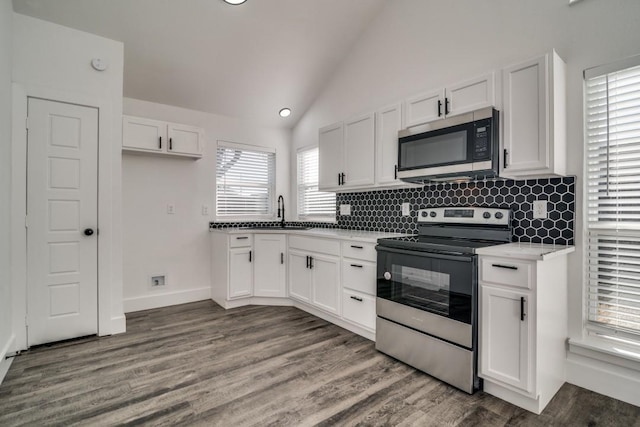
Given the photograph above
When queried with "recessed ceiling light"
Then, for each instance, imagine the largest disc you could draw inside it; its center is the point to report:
(285, 112)
(235, 1)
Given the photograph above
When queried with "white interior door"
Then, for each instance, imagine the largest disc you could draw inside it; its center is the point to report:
(62, 218)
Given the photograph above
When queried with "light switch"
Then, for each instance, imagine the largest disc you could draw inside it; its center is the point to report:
(406, 209)
(345, 209)
(205, 210)
(540, 209)
(171, 208)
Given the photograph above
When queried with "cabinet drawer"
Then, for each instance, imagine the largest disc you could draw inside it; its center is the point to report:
(240, 240)
(359, 308)
(359, 276)
(507, 272)
(359, 250)
(331, 247)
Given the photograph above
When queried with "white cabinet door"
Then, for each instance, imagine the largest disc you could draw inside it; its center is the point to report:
(470, 95)
(525, 116)
(505, 337)
(424, 108)
(388, 123)
(240, 272)
(534, 116)
(269, 268)
(330, 140)
(299, 276)
(185, 140)
(359, 151)
(144, 134)
(325, 271)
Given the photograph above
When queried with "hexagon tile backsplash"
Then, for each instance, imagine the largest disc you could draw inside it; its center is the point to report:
(381, 210)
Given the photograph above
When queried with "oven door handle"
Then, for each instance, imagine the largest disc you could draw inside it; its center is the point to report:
(461, 258)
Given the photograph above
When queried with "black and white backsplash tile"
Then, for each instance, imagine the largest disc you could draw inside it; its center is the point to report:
(382, 210)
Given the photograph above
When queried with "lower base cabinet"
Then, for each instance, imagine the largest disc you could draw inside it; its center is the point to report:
(315, 279)
(359, 308)
(269, 272)
(523, 328)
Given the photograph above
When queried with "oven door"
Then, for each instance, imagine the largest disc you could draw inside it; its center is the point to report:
(441, 284)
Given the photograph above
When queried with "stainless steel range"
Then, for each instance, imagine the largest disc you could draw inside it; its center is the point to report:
(427, 287)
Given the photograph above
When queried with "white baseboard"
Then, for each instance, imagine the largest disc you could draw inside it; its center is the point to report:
(604, 378)
(148, 302)
(118, 325)
(5, 363)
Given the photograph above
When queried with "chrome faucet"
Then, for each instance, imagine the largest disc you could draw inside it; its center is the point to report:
(281, 199)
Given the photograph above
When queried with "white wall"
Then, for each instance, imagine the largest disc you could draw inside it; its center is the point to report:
(178, 245)
(417, 45)
(53, 62)
(6, 330)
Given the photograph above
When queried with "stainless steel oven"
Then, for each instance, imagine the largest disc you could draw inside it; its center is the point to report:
(427, 291)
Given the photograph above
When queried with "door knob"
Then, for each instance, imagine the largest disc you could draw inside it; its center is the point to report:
(88, 231)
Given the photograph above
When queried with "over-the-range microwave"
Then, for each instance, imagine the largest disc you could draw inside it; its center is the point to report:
(458, 147)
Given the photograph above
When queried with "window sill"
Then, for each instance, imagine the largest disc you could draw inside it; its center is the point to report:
(614, 353)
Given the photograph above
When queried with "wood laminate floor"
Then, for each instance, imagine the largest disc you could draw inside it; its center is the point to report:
(197, 364)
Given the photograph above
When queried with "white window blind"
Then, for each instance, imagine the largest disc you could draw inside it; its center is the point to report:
(612, 96)
(245, 181)
(311, 202)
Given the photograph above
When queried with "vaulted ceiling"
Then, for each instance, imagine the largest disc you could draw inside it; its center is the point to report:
(245, 61)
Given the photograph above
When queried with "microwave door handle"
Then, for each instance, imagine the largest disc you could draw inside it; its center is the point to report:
(461, 258)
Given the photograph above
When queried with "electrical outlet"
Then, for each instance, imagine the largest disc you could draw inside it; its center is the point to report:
(159, 280)
(171, 208)
(540, 209)
(406, 209)
(345, 209)
(205, 210)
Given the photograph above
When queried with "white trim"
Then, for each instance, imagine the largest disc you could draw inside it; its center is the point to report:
(242, 146)
(119, 324)
(595, 375)
(336, 320)
(109, 167)
(609, 352)
(601, 70)
(167, 299)
(5, 363)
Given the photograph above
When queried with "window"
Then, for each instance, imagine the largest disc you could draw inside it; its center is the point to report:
(312, 204)
(245, 181)
(612, 130)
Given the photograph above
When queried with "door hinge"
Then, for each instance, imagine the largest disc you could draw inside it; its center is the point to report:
(26, 221)
(26, 123)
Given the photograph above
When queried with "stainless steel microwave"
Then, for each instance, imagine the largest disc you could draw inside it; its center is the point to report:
(463, 146)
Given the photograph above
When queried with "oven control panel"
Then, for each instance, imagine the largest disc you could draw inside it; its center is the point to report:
(465, 215)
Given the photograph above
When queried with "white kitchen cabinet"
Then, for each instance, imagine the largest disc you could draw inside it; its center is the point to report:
(359, 283)
(141, 135)
(240, 272)
(534, 118)
(325, 282)
(455, 99)
(505, 336)
(359, 151)
(346, 153)
(314, 272)
(299, 276)
(330, 142)
(269, 265)
(522, 323)
(388, 123)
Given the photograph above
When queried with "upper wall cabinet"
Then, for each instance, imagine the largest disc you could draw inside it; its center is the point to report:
(140, 135)
(534, 117)
(388, 123)
(346, 152)
(455, 99)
